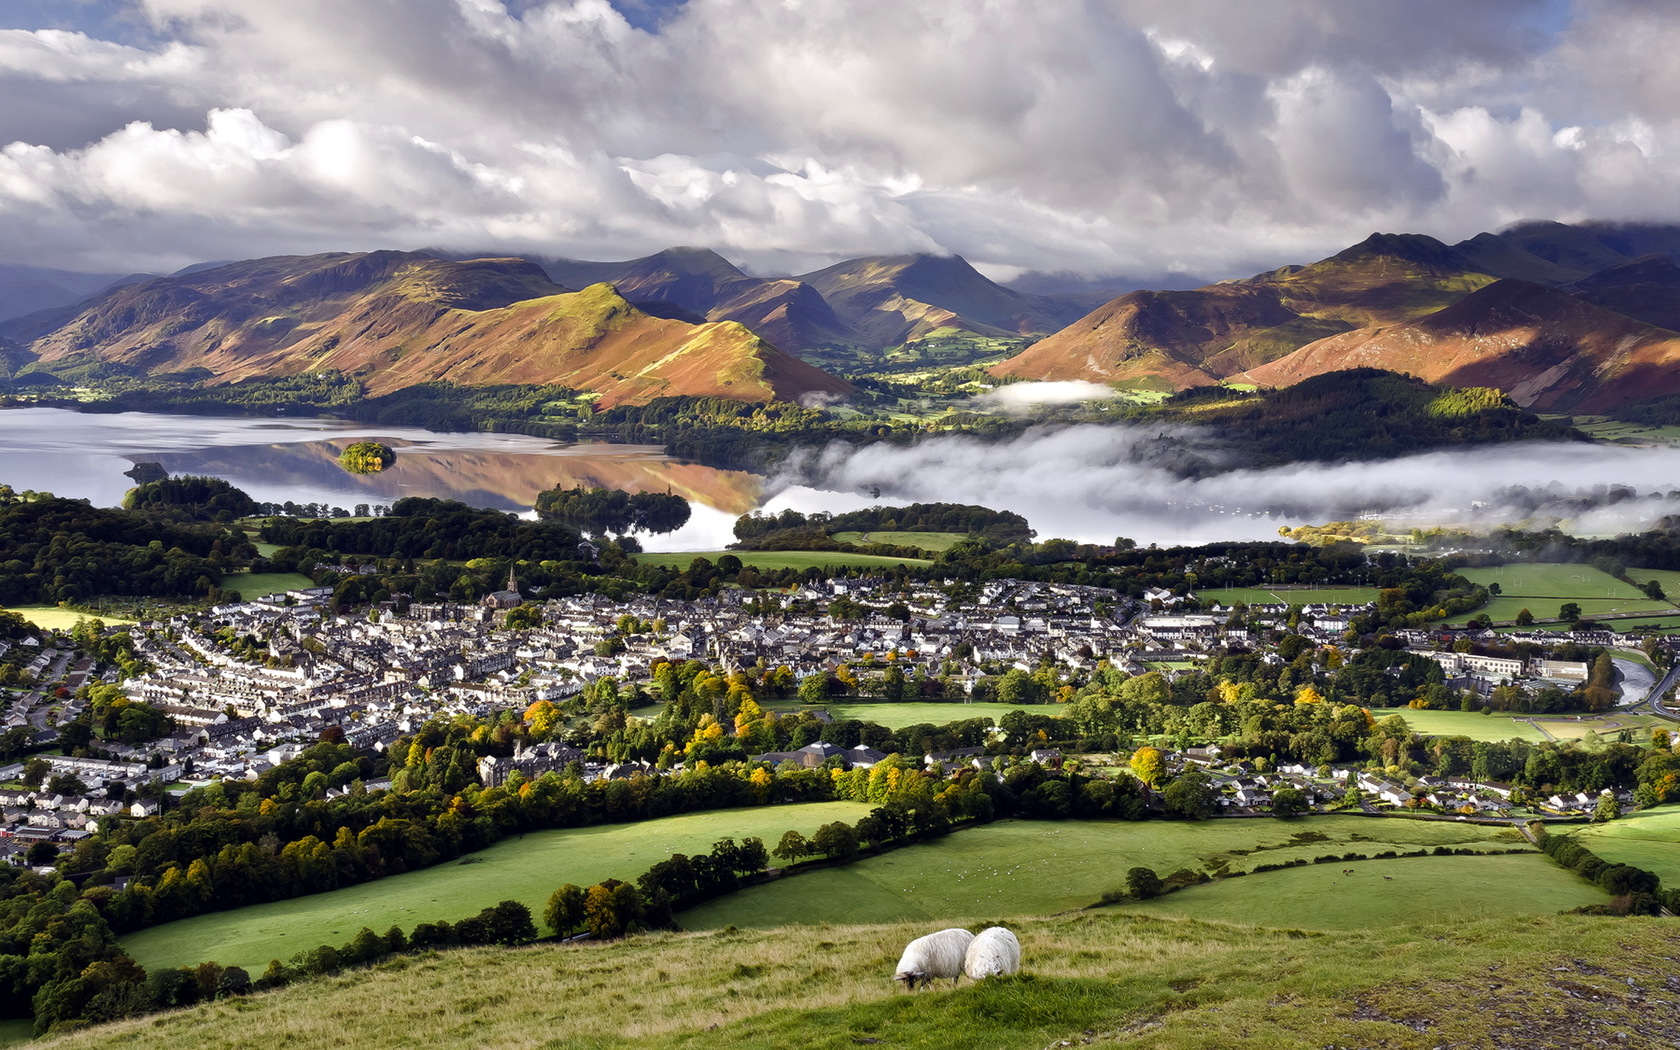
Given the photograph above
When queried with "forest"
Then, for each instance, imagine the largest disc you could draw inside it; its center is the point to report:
(54, 549)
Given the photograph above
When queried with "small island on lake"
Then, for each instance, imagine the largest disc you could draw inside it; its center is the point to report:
(367, 457)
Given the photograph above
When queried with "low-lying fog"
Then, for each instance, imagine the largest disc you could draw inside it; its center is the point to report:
(1094, 483)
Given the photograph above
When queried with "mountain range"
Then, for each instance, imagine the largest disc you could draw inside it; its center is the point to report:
(1581, 317)
(1561, 317)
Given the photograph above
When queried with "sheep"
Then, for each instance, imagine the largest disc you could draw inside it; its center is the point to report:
(936, 955)
(992, 954)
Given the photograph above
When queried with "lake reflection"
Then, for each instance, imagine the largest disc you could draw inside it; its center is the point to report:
(84, 455)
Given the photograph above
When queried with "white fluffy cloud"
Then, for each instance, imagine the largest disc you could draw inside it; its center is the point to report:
(1126, 135)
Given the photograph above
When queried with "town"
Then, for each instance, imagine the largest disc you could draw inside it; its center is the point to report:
(249, 685)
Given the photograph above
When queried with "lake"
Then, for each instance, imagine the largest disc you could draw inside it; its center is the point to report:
(1086, 483)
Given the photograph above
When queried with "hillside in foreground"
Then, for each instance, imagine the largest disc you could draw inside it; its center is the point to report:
(1092, 978)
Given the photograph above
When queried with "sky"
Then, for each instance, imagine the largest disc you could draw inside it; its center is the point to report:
(1136, 137)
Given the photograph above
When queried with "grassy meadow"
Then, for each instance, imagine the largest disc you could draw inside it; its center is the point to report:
(782, 559)
(928, 541)
(53, 618)
(1017, 867)
(1533, 728)
(1464, 723)
(527, 869)
(911, 712)
(1649, 840)
(1124, 981)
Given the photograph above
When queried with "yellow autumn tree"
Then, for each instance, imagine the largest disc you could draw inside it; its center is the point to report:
(542, 717)
(1149, 765)
(1308, 694)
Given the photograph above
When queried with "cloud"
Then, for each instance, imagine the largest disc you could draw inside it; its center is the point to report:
(1018, 397)
(1133, 135)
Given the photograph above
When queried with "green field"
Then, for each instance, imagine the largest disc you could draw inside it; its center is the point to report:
(912, 712)
(1383, 893)
(1521, 727)
(782, 559)
(1650, 840)
(1042, 868)
(1289, 595)
(928, 541)
(1656, 624)
(254, 584)
(1463, 723)
(53, 618)
(1669, 578)
(1543, 586)
(528, 869)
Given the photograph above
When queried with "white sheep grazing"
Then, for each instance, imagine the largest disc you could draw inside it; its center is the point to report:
(994, 953)
(936, 955)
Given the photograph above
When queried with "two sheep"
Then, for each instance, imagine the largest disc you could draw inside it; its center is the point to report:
(952, 953)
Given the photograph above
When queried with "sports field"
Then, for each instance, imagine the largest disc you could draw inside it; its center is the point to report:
(1040, 868)
(254, 584)
(1289, 595)
(1649, 840)
(1382, 893)
(782, 559)
(928, 541)
(528, 869)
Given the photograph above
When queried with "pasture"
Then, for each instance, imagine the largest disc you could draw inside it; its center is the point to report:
(1648, 839)
(1289, 595)
(1382, 893)
(782, 559)
(928, 541)
(911, 712)
(1018, 867)
(527, 869)
(54, 618)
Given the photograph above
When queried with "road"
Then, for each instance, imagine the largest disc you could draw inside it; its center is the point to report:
(1654, 697)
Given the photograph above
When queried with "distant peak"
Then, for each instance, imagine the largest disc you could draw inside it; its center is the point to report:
(690, 259)
(1412, 247)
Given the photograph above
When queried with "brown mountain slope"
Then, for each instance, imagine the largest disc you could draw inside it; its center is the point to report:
(395, 319)
(1547, 349)
(1153, 338)
(705, 285)
(1193, 338)
(896, 299)
(1646, 289)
